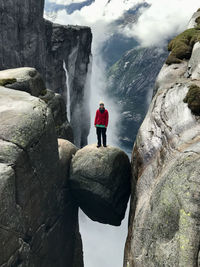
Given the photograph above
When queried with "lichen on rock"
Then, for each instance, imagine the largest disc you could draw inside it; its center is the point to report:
(4, 82)
(193, 99)
(182, 45)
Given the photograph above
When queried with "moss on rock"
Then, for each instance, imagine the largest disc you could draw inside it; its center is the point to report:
(198, 22)
(193, 99)
(3, 82)
(182, 45)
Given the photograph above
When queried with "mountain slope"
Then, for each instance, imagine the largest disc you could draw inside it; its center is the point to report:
(131, 82)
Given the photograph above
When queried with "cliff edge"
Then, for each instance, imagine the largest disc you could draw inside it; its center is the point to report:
(164, 214)
(61, 54)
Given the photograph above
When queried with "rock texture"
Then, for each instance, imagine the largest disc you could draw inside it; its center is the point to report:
(27, 40)
(66, 151)
(29, 80)
(100, 182)
(38, 219)
(164, 216)
(23, 79)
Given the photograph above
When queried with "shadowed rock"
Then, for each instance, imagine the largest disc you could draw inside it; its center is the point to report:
(66, 151)
(100, 182)
(57, 106)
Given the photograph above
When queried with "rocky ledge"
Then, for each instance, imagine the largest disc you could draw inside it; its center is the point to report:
(29, 80)
(100, 182)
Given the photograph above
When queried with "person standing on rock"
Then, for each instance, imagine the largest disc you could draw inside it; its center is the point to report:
(101, 124)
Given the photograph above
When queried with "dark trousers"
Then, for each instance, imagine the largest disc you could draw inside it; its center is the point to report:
(101, 132)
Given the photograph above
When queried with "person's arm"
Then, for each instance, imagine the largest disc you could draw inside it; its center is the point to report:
(107, 119)
(95, 121)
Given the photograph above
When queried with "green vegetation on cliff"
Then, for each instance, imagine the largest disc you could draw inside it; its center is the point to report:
(182, 45)
(3, 82)
(193, 99)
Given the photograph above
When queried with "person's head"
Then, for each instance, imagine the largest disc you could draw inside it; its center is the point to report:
(101, 104)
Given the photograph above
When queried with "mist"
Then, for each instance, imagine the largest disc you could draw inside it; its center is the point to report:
(161, 21)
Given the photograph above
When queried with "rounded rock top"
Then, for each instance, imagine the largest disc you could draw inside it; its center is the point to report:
(100, 182)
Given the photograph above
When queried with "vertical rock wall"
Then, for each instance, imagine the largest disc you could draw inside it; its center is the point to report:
(164, 220)
(29, 40)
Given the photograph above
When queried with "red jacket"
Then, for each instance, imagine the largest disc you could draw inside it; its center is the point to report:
(101, 118)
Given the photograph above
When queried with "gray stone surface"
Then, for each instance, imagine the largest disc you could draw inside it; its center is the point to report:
(38, 220)
(100, 183)
(66, 151)
(27, 79)
(164, 215)
(194, 63)
(27, 40)
(192, 22)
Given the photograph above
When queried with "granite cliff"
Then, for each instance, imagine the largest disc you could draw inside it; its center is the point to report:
(28, 40)
(164, 215)
(38, 217)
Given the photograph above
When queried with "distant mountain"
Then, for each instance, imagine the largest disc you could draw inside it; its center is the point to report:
(131, 82)
(114, 48)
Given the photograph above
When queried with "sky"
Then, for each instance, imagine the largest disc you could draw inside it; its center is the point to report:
(104, 245)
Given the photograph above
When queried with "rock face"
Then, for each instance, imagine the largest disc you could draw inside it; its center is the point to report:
(38, 219)
(29, 80)
(164, 216)
(23, 79)
(100, 182)
(27, 40)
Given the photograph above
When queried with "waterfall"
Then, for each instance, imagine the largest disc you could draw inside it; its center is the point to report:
(98, 92)
(68, 92)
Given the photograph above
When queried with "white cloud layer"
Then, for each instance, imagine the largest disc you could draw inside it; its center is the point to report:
(66, 2)
(155, 26)
(162, 20)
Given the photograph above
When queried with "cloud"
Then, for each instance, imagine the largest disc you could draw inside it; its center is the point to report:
(66, 2)
(99, 10)
(162, 20)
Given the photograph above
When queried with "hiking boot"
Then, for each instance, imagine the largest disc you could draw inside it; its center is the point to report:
(105, 145)
(98, 146)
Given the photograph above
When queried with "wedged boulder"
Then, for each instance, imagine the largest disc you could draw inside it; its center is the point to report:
(23, 79)
(100, 182)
